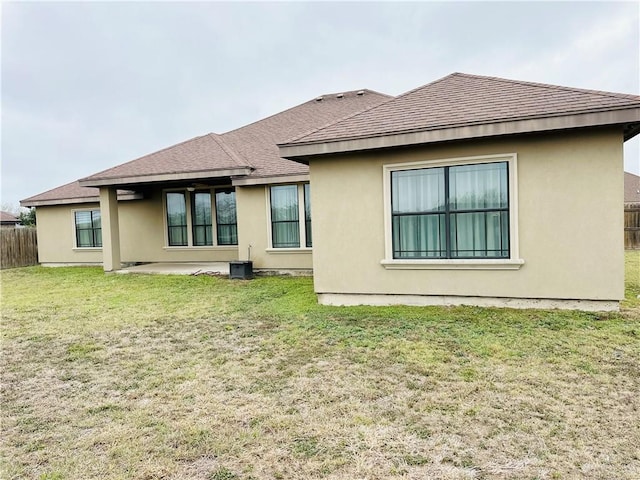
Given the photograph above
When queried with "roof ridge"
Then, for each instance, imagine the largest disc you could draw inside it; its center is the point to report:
(300, 104)
(143, 156)
(346, 92)
(550, 86)
(391, 98)
(235, 156)
(313, 130)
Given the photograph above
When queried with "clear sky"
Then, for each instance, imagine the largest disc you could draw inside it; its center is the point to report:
(86, 86)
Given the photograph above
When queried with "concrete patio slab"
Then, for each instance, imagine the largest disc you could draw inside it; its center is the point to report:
(200, 268)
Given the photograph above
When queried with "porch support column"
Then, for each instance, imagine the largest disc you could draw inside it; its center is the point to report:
(110, 229)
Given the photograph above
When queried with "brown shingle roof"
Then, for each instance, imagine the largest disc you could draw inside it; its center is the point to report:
(7, 218)
(258, 141)
(69, 193)
(631, 188)
(205, 153)
(460, 99)
(253, 146)
(456, 100)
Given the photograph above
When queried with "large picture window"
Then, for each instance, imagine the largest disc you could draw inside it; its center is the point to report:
(290, 211)
(190, 218)
(451, 212)
(88, 228)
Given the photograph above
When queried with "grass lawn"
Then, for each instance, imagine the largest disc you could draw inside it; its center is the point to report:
(150, 377)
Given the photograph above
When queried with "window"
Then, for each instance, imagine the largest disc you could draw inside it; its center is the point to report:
(454, 213)
(287, 231)
(190, 218)
(88, 228)
(226, 219)
(177, 219)
(307, 214)
(201, 218)
(285, 228)
(451, 212)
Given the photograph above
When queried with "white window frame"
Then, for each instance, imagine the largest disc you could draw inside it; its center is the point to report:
(514, 262)
(75, 233)
(301, 221)
(214, 223)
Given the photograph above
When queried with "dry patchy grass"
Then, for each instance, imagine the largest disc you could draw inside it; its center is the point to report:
(149, 377)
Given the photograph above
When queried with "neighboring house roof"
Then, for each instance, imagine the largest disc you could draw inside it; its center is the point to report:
(7, 219)
(71, 193)
(469, 106)
(250, 152)
(631, 188)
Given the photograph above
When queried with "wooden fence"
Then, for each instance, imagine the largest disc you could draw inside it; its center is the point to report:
(18, 247)
(632, 226)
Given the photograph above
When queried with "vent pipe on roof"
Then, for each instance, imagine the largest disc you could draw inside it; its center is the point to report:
(340, 95)
(360, 93)
(319, 99)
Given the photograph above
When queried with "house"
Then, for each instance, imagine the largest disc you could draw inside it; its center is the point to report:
(631, 189)
(468, 190)
(472, 190)
(207, 199)
(7, 220)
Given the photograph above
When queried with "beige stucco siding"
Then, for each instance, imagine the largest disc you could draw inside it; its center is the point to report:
(570, 221)
(142, 236)
(253, 229)
(56, 236)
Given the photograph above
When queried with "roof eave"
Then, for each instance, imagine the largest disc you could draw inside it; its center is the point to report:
(272, 179)
(164, 177)
(301, 151)
(76, 200)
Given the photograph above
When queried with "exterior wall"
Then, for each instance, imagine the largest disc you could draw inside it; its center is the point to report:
(142, 236)
(56, 236)
(253, 229)
(569, 188)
